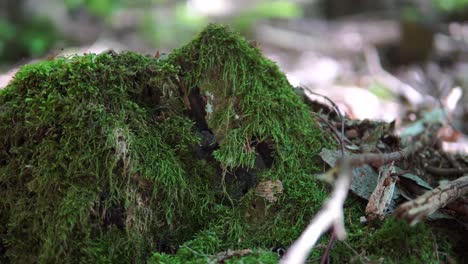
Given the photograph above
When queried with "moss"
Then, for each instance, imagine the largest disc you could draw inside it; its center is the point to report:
(390, 241)
(100, 154)
(83, 153)
(247, 97)
(257, 256)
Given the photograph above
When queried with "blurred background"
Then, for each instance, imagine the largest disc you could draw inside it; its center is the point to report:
(375, 58)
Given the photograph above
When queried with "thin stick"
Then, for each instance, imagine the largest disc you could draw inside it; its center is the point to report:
(330, 215)
(337, 110)
(426, 204)
(456, 172)
(326, 254)
(380, 159)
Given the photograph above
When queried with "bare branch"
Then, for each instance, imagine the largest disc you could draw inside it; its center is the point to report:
(426, 204)
(455, 172)
(331, 215)
(379, 159)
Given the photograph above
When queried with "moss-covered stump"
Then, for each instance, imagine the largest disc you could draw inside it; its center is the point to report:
(108, 158)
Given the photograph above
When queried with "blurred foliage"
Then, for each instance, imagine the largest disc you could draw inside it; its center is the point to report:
(451, 5)
(101, 8)
(163, 23)
(273, 9)
(186, 22)
(381, 91)
(29, 38)
(411, 13)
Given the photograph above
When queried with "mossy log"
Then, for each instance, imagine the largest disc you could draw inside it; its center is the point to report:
(107, 158)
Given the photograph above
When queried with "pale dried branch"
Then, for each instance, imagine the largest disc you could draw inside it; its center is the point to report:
(426, 204)
(331, 215)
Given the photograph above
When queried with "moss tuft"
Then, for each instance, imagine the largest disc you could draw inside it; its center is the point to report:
(88, 168)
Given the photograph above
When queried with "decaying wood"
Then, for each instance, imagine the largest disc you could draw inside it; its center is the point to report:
(380, 199)
(426, 204)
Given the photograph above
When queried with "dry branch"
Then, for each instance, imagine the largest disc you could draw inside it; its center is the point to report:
(379, 159)
(426, 204)
(454, 172)
(331, 215)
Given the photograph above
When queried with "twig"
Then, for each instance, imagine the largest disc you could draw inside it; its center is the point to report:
(363, 259)
(338, 112)
(456, 172)
(326, 255)
(223, 256)
(333, 129)
(380, 159)
(426, 204)
(330, 215)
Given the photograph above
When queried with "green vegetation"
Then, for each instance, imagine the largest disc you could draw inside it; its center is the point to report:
(451, 6)
(390, 241)
(97, 158)
(123, 158)
(26, 38)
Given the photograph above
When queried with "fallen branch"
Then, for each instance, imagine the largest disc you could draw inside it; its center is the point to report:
(380, 159)
(426, 204)
(330, 37)
(454, 172)
(331, 215)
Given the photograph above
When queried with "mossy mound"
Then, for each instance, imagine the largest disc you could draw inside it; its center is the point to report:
(108, 158)
(124, 158)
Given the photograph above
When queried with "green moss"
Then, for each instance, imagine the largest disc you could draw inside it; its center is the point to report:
(188, 255)
(79, 140)
(247, 98)
(390, 241)
(98, 160)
